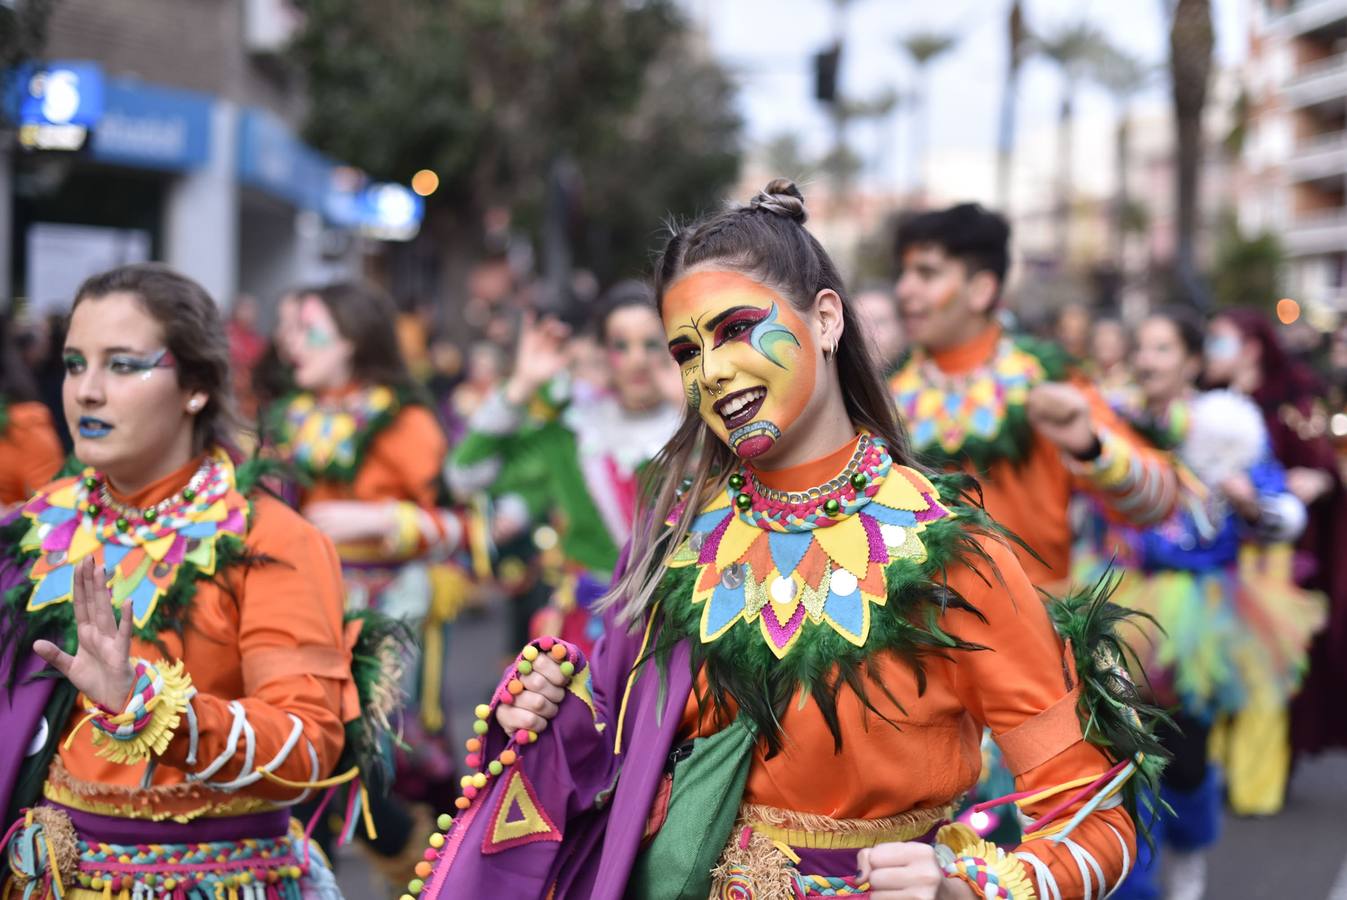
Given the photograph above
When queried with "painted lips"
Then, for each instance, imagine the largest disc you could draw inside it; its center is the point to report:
(739, 408)
(89, 427)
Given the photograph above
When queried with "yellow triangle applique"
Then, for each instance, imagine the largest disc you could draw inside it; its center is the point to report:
(518, 817)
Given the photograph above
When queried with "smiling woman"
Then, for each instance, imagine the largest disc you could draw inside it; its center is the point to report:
(800, 614)
(196, 624)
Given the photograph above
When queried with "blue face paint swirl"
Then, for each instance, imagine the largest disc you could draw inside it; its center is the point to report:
(769, 335)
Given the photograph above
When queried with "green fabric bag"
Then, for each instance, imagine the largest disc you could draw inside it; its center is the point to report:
(708, 787)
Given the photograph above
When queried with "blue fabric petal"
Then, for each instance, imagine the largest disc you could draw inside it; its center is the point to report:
(707, 522)
(112, 555)
(723, 608)
(847, 613)
(889, 516)
(788, 549)
(55, 515)
(55, 586)
(199, 530)
(142, 600)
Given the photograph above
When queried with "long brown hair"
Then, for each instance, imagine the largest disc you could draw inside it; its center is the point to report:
(193, 333)
(765, 240)
(366, 316)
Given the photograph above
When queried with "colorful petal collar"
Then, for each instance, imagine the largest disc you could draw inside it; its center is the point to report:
(325, 439)
(142, 558)
(790, 571)
(947, 413)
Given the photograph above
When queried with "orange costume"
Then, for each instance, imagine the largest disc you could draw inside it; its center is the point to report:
(243, 687)
(812, 677)
(30, 452)
(964, 409)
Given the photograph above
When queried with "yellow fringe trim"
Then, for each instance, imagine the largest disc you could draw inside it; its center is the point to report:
(166, 709)
(818, 832)
(1010, 873)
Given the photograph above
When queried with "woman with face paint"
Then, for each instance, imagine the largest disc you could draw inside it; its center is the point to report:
(548, 447)
(179, 673)
(30, 451)
(803, 644)
(1245, 353)
(368, 449)
(1227, 630)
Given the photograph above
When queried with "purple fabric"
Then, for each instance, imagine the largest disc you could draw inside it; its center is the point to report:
(22, 705)
(569, 770)
(116, 830)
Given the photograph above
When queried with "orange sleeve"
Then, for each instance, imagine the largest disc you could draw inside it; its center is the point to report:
(412, 449)
(35, 452)
(296, 668)
(1136, 483)
(1018, 687)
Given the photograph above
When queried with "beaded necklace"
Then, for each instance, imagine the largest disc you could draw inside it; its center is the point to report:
(142, 551)
(820, 561)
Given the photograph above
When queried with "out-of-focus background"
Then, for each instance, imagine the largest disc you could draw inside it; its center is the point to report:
(479, 158)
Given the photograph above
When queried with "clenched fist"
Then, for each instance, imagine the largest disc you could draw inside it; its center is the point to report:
(908, 871)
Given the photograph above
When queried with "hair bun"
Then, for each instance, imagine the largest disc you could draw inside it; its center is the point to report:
(782, 198)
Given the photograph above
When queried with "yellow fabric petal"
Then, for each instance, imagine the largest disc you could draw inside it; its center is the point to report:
(217, 512)
(82, 543)
(897, 492)
(846, 545)
(736, 541)
(65, 496)
(157, 548)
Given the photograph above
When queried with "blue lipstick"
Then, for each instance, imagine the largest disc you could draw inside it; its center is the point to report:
(89, 427)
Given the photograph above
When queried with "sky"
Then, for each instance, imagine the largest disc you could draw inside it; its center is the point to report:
(769, 45)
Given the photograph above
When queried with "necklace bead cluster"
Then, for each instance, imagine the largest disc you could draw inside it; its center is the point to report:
(817, 507)
(100, 500)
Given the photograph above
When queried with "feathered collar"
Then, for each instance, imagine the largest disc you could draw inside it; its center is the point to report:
(776, 594)
(327, 439)
(976, 416)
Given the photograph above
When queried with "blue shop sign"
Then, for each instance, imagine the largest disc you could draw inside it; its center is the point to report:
(272, 159)
(153, 127)
(388, 212)
(56, 104)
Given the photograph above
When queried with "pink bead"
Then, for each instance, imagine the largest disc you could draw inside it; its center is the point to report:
(430, 855)
(522, 736)
(470, 792)
(545, 643)
(473, 761)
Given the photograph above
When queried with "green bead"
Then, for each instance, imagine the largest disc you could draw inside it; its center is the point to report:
(149, 515)
(525, 667)
(568, 668)
(744, 502)
(444, 821)
(415, 886)
(859, 480)
(90, 482)
(494, 767)
(94, 509)
(736, 481)
(122, 524)
(480, 726)
(832, 507)
(188, 494)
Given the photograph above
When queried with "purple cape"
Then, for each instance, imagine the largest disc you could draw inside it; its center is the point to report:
(571, 812)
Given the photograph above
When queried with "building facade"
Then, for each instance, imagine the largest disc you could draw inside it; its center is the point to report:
(193, 159)
(1295, 152)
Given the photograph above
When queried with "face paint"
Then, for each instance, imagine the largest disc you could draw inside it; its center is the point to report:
(747, 359)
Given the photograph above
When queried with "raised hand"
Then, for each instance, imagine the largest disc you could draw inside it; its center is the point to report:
(540, 356)
(1061, 413)
(101, 667)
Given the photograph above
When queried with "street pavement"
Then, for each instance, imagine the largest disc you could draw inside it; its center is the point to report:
(1298, 855)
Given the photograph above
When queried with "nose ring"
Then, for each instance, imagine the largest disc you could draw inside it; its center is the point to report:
(715, 392)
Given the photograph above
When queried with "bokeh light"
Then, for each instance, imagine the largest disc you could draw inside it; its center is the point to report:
(1288, 310)
(425, 182)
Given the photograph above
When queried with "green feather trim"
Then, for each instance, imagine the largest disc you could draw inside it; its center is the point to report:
(4, 413)
(1114, 716)
(377, 668)
(741, 670)
(276, 433)
(1013, 440)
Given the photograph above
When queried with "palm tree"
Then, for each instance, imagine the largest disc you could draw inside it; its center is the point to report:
(1017, 36)
(1071, 49)
(1123, 76)
(923, 47)
(1191, 40)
